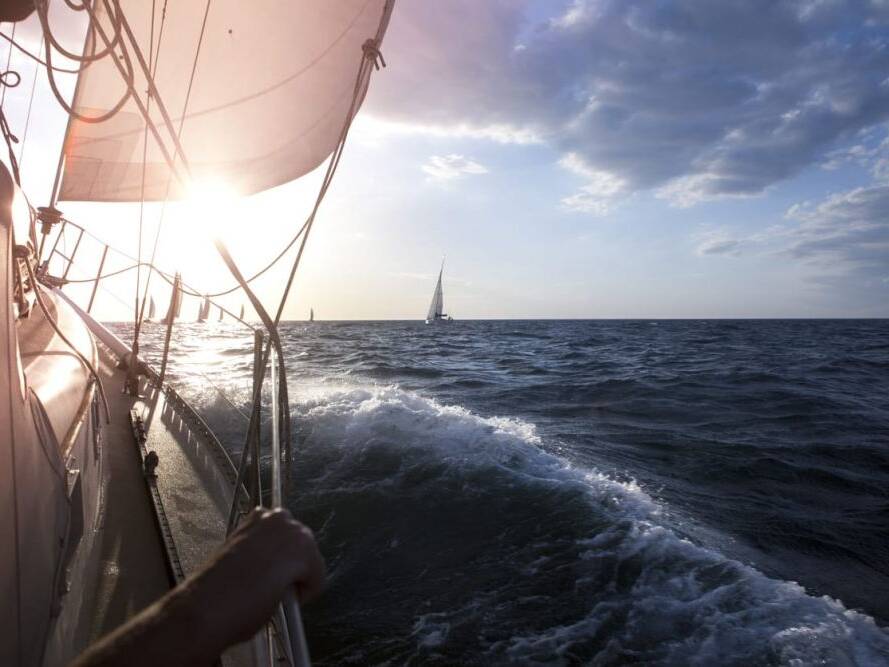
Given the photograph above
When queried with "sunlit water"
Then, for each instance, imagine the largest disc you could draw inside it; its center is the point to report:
(581, 491)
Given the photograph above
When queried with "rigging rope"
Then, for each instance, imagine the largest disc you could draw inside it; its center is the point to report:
(42, 7)
(13, 43)
(189, 290)
(6, 71)
(137, 312)
(28, 116)
(194, 67)
(92, 28)
(10, 139)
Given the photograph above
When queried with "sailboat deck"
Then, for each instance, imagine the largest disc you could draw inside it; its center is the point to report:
(133, 571)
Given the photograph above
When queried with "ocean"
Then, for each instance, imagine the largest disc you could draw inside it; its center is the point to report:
(694, 492)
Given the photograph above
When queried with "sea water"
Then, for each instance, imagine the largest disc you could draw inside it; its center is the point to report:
(568, 492)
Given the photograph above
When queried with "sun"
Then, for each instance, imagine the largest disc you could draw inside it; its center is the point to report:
(211, 208)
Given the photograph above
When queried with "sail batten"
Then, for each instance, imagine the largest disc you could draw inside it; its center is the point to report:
(272, 92)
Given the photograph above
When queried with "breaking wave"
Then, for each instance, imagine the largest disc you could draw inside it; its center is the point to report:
(456, 538)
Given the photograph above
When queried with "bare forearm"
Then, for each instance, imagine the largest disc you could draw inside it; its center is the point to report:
(227, 601)
(169, 632)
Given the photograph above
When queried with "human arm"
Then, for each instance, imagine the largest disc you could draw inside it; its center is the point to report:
(227, 601)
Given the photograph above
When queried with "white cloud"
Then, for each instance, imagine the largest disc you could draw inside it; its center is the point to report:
(718, 242)
(598, 195)
(443, 168)
(373, 129)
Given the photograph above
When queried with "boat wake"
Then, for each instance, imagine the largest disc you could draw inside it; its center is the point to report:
(456, 538)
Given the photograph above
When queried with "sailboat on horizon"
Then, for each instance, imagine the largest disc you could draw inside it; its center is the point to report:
(436, 312)
(204, 310)
(311, 314)
(151, 309)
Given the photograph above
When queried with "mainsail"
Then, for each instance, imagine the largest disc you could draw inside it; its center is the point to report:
(151, 312)
(272, 91)
(241, 316)
(436, 308)
(311, 314)
(220, 315)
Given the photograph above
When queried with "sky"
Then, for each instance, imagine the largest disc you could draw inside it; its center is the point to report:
(567, 159)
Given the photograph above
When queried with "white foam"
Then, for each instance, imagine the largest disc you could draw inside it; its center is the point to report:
(701, 607)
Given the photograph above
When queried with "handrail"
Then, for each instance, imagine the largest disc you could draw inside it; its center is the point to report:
(295, 638)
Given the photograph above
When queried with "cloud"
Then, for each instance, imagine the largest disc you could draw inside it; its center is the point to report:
(600, 191)
(718, 242)
(847, 233)
(693, 99)
(443, 168)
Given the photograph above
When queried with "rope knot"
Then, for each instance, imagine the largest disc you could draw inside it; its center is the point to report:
(372, 52)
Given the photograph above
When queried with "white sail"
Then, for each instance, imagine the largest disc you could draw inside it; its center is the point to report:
(241, 316)
(204, 310)
(311, 314)
(151, 312)
(436, 308)
(272, 88)
(220, 315)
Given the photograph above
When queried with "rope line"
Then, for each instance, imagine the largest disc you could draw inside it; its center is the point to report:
(190, 291)
(28, 116)
(7, 71)
(22, 49)
(194, 67)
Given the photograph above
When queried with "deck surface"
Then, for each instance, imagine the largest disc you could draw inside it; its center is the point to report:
(133, 572)
(193, 499)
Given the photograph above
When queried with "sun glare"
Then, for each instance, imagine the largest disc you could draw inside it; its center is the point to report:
(211, 208)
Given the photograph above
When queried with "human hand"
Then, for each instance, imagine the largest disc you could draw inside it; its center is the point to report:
(238, 590)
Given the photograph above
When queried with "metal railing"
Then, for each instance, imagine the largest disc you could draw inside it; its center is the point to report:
(284, 634)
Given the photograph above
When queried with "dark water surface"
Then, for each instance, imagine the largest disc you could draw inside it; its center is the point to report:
(564, 492)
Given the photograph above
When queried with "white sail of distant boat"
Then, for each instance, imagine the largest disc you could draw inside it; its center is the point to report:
(204, 310)
(311, 314)
(175, 306)
(241, 316)
(151, 309)
(436, 308)
(220, 315)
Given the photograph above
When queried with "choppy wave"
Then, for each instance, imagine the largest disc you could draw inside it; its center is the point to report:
(457, 536)
(491, 550)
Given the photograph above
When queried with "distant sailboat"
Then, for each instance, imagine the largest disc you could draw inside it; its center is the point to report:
(220, 315)
(436, 308)
(311, 314)
(204, 310)
(241, 316)
(175, 305)
(151, 309)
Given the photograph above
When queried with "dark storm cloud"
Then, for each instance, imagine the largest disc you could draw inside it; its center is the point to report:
(712, 98)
